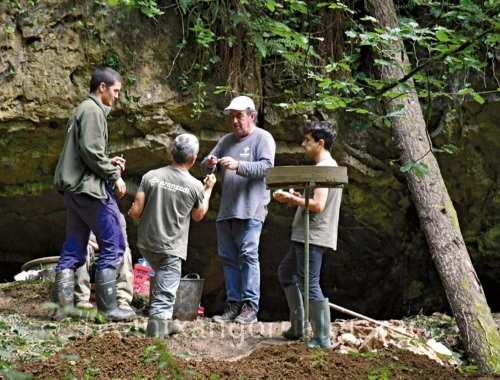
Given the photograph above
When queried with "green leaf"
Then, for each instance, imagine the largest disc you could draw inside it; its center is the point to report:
(478, 98)
(369, 18)
(447, 148)
(397, 113)
(325, 83)
(301, 39)
(299, 6)
(239, 18)
(405, 86)
(362, 111)
(442, 36)
(271, 5)
(421, 169)
(465, 91)
(442, 47)
(222, 89)
(407, 167)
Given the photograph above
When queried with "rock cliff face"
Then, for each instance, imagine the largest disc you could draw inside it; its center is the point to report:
(382, 267)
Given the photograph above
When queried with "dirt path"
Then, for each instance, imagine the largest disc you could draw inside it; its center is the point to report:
(31, 343)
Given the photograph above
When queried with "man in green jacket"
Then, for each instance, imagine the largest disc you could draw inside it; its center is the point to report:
(85, 175)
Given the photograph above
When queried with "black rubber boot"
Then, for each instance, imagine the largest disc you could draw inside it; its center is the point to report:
(159, 328)
(64, 288)
(320, 323)
(296, 306)
(105, 290)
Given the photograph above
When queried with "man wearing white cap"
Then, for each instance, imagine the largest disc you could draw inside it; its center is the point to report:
(242, 157)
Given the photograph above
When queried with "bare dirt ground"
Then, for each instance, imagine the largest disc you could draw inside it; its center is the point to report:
(30, 343)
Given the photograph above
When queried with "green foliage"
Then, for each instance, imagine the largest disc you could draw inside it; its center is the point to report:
(285, 38)
(319, 357)
(21, 7)
(447, 148)
(439, 328)
(468, 368)
(16, 6)
(148, 7)
(383, 373)
(367, 354)
(112, 60)
(158, 353)
(419, 168)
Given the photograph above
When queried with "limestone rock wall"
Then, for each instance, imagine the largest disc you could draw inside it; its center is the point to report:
(382, 267)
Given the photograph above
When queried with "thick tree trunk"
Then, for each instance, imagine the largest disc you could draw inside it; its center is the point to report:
(437, 215)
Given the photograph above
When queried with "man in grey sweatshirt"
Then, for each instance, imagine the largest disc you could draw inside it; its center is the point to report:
(243, 158)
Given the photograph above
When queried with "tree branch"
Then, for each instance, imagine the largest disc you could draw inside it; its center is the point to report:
(439, 57)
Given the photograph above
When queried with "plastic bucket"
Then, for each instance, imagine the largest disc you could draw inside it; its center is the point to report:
(188, 297)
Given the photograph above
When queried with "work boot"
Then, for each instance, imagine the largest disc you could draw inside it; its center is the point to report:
(248, 315)
(320, 323)
(160, 328)
(105, 290)
(232, 310)
(64, 286)
(296, 306)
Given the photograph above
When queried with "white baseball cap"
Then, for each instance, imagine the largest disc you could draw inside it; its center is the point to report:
(240, 103)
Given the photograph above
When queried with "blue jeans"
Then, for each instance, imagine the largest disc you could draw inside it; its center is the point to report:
(101, 216)
(291, 269)
(238, 245)
(167, 279)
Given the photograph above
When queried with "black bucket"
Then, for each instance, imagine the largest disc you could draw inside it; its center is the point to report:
(188, 297)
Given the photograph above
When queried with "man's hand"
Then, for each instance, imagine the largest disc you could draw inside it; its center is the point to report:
(286, 197)
(229, 163)
(120, 188)
(118, 161)
(209, 181)
(211, 162)
(281, 196)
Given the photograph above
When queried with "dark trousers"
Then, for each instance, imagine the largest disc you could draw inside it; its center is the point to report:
(291, 269)
(101, 216)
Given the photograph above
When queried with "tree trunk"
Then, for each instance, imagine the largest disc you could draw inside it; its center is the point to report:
(438, 218)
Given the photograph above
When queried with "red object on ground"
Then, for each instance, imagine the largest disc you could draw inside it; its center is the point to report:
(201, 311)
(141, 279)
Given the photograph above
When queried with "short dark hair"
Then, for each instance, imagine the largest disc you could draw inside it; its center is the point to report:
(185, 146)
(105, 75)
(320, 130)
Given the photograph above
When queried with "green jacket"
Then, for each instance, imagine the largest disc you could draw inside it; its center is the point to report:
(84, 165)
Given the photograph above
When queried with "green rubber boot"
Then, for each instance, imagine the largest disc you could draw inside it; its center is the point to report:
(296, 306)
(320, 323)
